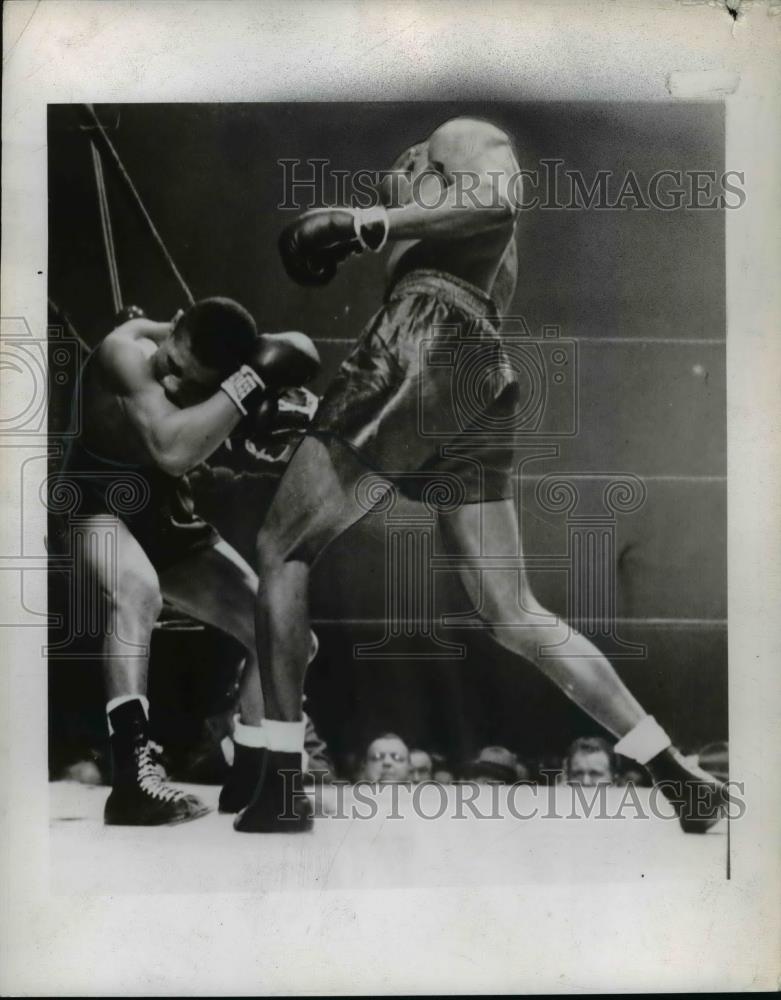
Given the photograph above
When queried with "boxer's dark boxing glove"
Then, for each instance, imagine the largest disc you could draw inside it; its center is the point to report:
(259, 422)
(285, 359)
(315, 244)
(280, 360)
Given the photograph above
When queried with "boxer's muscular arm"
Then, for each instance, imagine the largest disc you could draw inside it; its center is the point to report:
(175, 439)
(481, 199)
(136, 329)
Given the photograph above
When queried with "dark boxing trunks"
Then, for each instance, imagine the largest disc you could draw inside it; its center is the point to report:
(427, 397)
(157, 508)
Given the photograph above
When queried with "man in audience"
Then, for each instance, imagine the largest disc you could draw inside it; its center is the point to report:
(590, 761)
(421, 766)
(387, 760)
(442, 772)
(492, 766)
(633, 774)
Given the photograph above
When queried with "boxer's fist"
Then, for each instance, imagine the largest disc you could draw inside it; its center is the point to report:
(315, 244)
(285, 359)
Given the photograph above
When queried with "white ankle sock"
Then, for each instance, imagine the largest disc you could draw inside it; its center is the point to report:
(121, 700)
(248, 736)
(287, 737)
(644, 741)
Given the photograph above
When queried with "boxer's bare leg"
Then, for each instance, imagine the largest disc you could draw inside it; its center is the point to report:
(315, 503)
(504, 598)
(217, 587)
(125, 580)
(519, 623)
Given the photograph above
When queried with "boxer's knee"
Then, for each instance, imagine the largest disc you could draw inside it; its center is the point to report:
(522, 636)
(522, 624)
(136, 594)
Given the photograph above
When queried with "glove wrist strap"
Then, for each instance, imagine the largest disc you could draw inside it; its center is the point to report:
(371, 227)
(244, 388)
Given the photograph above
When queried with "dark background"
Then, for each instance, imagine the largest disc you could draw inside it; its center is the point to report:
(642, 292)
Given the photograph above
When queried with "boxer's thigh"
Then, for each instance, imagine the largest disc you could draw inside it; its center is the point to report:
(325, 490)
(480, 533)
(118, 569)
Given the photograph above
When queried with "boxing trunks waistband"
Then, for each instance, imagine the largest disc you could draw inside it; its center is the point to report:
(158, 509)
(439, 284)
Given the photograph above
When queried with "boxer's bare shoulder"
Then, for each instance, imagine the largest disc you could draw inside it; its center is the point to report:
(123, 359)
(121, 374)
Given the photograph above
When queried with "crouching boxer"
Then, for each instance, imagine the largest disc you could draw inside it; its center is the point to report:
(451, 272)
(157, 399)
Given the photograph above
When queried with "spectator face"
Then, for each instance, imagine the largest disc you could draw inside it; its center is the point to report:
(387, 760)
(419, 766)
(589, 768)
(443, 776)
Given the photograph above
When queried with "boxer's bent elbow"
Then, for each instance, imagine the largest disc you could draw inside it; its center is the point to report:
(172, 461)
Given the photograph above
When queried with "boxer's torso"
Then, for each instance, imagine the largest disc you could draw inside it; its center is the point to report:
(106, 430)
(487, 260)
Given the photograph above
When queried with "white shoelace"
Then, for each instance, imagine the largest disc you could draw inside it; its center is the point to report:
(152, 776)
(156, 758)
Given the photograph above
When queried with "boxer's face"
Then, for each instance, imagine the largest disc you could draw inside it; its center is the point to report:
(387, 759)
(184, 378)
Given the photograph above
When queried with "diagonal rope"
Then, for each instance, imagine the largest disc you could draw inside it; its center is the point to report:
(66, 322)
(109, 146)
(105, 225)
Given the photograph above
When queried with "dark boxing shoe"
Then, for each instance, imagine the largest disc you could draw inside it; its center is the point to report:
(279, 803)
(141, 795)
(242, 778)
(697, 796)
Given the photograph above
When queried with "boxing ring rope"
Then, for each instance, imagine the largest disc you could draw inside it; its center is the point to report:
(158, 239)
(59, 312)
(105, 225)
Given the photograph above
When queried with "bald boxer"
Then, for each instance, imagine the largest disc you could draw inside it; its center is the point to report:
(158, 399)
(449, 222)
